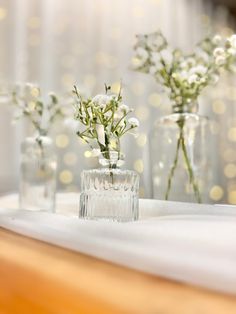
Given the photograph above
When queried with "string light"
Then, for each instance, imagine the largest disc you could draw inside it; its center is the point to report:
(66, 176)
(216, 193)
(62, 140)
(138, 165)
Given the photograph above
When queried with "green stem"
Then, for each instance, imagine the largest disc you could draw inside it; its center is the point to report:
(106, 153)
(41, 148)
(42, 161)
(191, 173)
(111, 175)
(173, 167)
(181, 144)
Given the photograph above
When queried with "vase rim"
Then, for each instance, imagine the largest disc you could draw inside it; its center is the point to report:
(188, 117)
(191, 107)
(111, 159)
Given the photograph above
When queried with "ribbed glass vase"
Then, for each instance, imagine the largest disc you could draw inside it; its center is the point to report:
(37, 174)
(180, 159)
(109, 193)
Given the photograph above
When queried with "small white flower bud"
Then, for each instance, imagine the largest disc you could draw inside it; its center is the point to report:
(124, 108)
(218, 52)
(220, 60)
(133, 122)
(192, 79)
(217, 39)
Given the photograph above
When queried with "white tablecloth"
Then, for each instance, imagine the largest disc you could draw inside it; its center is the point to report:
(187, 242)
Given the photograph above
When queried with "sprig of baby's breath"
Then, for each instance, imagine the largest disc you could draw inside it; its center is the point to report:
(103, 121)
(183, 77)
(28, 100)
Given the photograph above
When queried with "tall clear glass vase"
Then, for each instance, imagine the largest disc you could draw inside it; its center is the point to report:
(180, 157)
(37, 174)
(109, 193)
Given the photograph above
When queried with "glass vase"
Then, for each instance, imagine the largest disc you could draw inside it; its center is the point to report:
(37, 174)
(109, 193)
(180, 158)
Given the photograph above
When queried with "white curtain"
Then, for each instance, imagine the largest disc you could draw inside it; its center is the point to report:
(59, 43)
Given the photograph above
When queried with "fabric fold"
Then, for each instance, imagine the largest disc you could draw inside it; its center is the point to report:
(191, 243)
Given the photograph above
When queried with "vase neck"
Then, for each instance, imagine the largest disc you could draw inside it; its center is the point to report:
(185, 108)
(111, 159)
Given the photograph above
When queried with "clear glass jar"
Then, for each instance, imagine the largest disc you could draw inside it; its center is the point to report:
(37, 174)
(109, 193)
(180, 159)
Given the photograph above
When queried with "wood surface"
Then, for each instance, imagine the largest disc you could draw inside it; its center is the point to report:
(36, 277)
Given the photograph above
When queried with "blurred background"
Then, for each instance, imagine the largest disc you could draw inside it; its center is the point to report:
(58, 43)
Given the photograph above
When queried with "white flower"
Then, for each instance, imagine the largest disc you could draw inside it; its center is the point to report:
(142, 53)
(220, 60)
(232, 51)
(101, 133)
(167, 56)
(155, 40)
(155, 57)
(205, 57)
(29, 86)
(124, 108)
(101, 100)
(142, 56)
(137, 63)
(218, 52)
(133, 122)
(217, 39)
(192, 79)
(102, 106)
(183, 75)
(232, 40)
(45, 140)
(202, 80)
(52, 94)
(156, 68)
(96, 152)
(157, 65)
(199, 69)
(24, 91)
(183, 64)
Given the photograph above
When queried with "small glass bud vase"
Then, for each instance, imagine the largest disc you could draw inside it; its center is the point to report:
(109, 193)
(37, 174)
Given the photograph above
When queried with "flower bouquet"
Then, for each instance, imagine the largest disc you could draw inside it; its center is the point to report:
(109, 192)
(38, 158)
(183, 78)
